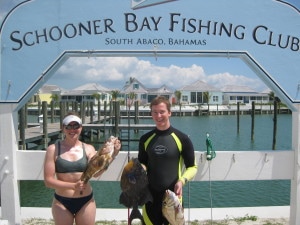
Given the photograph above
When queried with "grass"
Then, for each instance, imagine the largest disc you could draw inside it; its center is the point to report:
(247, 217)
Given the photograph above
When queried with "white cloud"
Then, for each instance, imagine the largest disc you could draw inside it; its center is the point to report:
(120, 69)
(222, 79)
(113, 72)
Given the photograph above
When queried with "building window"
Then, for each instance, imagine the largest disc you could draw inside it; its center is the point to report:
(199, 97)
(166, 96)
(135, 86)
(151, 97)
(215, 98)
(193, 97)
(184, 98)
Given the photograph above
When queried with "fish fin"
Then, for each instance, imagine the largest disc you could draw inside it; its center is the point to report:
(125, 200)
(146, 197)
(179, 214)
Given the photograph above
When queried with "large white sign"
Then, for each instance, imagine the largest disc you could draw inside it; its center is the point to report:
(37, 37)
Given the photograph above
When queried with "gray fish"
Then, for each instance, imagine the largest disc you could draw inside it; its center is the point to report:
(172, 208)
(135, 190)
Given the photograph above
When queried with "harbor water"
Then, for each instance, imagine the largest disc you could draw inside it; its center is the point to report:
(225, 137)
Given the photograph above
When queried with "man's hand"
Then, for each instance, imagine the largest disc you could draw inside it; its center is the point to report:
(178, 188)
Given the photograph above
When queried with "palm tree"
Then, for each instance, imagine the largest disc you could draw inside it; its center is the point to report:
(271, 96)
(206, 98)
(131, 97)
(178, 95)
(55, 99)
(115, 94)
(129, 101)
(274, 98)
(97, 96)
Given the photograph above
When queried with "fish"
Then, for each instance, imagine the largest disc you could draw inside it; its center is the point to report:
(102, 159)
(172, 209)
(135, 188)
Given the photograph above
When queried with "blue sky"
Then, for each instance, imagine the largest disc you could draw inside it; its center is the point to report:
(173, 72)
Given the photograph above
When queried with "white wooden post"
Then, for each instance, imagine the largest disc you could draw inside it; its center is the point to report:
(295, 185)
(10, 202)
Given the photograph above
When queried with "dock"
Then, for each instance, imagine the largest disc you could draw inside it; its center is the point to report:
(119, 126)
(34, 133)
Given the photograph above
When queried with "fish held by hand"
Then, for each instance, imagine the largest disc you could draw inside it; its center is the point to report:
(172, 208)
(135, 189)
(134, 184)
(102, 159)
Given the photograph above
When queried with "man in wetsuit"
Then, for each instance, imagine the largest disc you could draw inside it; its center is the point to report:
(163, 151)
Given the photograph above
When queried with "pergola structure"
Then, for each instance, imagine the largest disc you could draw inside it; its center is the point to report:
(38, 36)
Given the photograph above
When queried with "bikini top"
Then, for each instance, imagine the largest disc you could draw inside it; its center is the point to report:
(65, 166)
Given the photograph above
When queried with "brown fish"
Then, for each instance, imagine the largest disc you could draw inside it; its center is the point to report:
(135, 191)
(102, 159)
(172, 208)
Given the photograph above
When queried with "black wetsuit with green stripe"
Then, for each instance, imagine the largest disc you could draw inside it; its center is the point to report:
(163, 153)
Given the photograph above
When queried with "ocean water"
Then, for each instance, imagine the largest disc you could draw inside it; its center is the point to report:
(224, 136)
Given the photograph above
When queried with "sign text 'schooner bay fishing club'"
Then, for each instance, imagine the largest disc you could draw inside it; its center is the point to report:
(198, 29)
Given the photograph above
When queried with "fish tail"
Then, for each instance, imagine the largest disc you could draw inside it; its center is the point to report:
(136, 214)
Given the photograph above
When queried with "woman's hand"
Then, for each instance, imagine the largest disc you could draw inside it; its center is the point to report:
(80, 186)
(117, 145)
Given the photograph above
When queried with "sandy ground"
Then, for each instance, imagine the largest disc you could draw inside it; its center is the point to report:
(282, 221)
(276, 215)
(237, 221)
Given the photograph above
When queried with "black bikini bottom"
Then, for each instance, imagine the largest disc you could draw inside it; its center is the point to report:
(73, 204)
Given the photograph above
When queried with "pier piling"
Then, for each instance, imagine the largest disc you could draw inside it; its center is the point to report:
(275, 125)
(252, 120)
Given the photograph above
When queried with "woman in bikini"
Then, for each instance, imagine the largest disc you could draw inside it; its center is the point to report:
(64, 163)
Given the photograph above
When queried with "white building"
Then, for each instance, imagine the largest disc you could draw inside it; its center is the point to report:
(195, 94)
(86, 92)
(232, 94)
(143, 94)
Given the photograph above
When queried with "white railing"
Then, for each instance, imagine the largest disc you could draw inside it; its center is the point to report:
(228, 165)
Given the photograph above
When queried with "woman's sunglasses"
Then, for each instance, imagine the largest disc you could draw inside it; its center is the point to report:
(72, 127)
